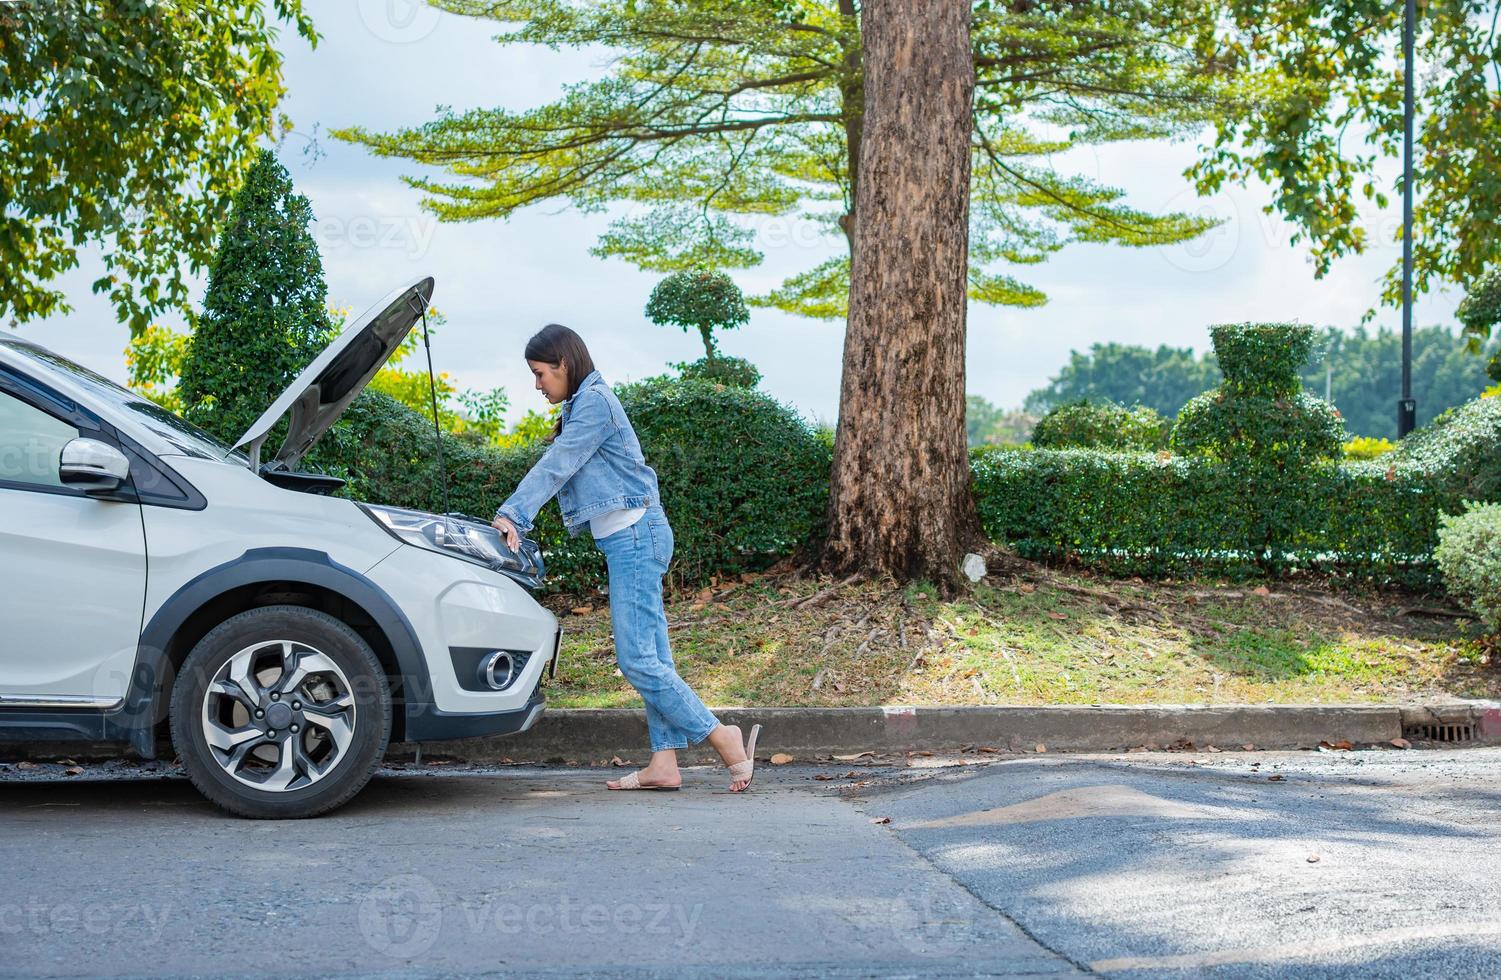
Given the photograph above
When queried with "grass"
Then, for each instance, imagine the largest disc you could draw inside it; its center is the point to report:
(1029, 634)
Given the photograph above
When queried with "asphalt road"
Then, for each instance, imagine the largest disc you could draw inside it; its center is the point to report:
(1364, 864)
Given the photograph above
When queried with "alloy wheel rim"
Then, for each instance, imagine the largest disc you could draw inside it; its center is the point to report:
(278, 716)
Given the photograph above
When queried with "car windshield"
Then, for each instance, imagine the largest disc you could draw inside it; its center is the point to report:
(183, 435)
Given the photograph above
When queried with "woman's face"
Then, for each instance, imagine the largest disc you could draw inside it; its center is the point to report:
(552, 381)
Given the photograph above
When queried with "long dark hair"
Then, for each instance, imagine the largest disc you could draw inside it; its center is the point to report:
(556, 344)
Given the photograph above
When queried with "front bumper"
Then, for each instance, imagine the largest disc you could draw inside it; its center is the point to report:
(426, 722)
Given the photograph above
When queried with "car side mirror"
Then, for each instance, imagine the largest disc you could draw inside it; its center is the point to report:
(88, 464)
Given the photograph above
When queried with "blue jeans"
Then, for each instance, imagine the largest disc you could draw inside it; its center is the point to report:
(637, 558)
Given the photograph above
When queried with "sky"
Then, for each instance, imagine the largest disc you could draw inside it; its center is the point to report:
(389, 63)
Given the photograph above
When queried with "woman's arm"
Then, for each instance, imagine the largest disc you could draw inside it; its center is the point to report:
(589, 423)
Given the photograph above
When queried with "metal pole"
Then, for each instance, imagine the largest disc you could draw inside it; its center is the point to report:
(1407, 407)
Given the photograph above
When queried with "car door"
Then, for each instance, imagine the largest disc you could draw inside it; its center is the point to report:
(72, 566)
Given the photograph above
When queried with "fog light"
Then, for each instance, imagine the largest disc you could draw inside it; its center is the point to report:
(498, 670)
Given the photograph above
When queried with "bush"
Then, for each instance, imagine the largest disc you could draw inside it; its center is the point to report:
(1469, 555)
(1461, 450)
(1365, 448)
(1255, 491)
(701, 300)
(1100, 426)
(1135, 513)
(743, 479)
(1281, 432)
(1259, 415)
(736, 372)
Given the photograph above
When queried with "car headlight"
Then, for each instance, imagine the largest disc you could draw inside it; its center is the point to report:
(461, 536)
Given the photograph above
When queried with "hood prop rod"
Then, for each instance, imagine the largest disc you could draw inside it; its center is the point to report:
(432, 389)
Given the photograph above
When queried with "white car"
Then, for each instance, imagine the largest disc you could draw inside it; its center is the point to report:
(154, 581)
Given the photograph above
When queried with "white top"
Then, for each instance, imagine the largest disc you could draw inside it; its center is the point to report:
(606, 524)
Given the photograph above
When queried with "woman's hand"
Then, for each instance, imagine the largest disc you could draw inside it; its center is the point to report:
(508, 531)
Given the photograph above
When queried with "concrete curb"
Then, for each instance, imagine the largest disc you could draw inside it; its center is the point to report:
(597, 734)
(594, 734)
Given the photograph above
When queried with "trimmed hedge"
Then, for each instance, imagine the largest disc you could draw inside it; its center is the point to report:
(1163, 515)
(1461, 449)
(720, 369)
(1085, 425)
(744, 480)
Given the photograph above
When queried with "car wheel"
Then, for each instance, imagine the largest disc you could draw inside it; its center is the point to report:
(281, 712)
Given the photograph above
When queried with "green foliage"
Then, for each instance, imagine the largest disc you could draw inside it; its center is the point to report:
(1360, 368)
(1363, 371)
(1164, 379)
(1105, 426)
(1480, 311)
(127, 126)
(699, 300)
(1364, 448)
(1258, 418)
(1261, 358)
(714, 116)
(1162, 515)
(265, 314)
(1310, 72)
(1461, 450)
(1469, 555)
(1283, 431)
(153, 360)
(734, 371)
(743, 479)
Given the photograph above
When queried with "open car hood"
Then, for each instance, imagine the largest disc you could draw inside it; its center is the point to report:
(321, 392)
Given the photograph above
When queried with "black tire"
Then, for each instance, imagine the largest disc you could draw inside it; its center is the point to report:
(362, 713)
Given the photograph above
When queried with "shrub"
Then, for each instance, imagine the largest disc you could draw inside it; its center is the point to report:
(743, 479)
(1461, 450)
(1479, 312)
(1364, 448)
(1255, 490)
(1100, 426)
(1135, 513)
(1469, 555)
(1259, 415)
(736, 372)
(1280, 432)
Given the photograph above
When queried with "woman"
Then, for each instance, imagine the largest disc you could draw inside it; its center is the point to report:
(595, 467)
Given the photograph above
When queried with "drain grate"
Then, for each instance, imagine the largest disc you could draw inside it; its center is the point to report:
(1440, 733)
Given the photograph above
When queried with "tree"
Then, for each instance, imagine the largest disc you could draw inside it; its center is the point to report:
(1323, 100)
(1360, 368)
(719, 111)
(265, 314)
(1127, 374)
(128, 124)
(891, 509)
(698, 300)
(1479, 312)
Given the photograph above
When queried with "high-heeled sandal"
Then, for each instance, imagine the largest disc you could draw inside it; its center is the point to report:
(746, 770)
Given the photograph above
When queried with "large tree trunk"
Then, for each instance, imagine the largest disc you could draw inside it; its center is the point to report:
(900, 500)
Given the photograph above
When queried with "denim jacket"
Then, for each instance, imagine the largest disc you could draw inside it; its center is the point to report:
(594, 465)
